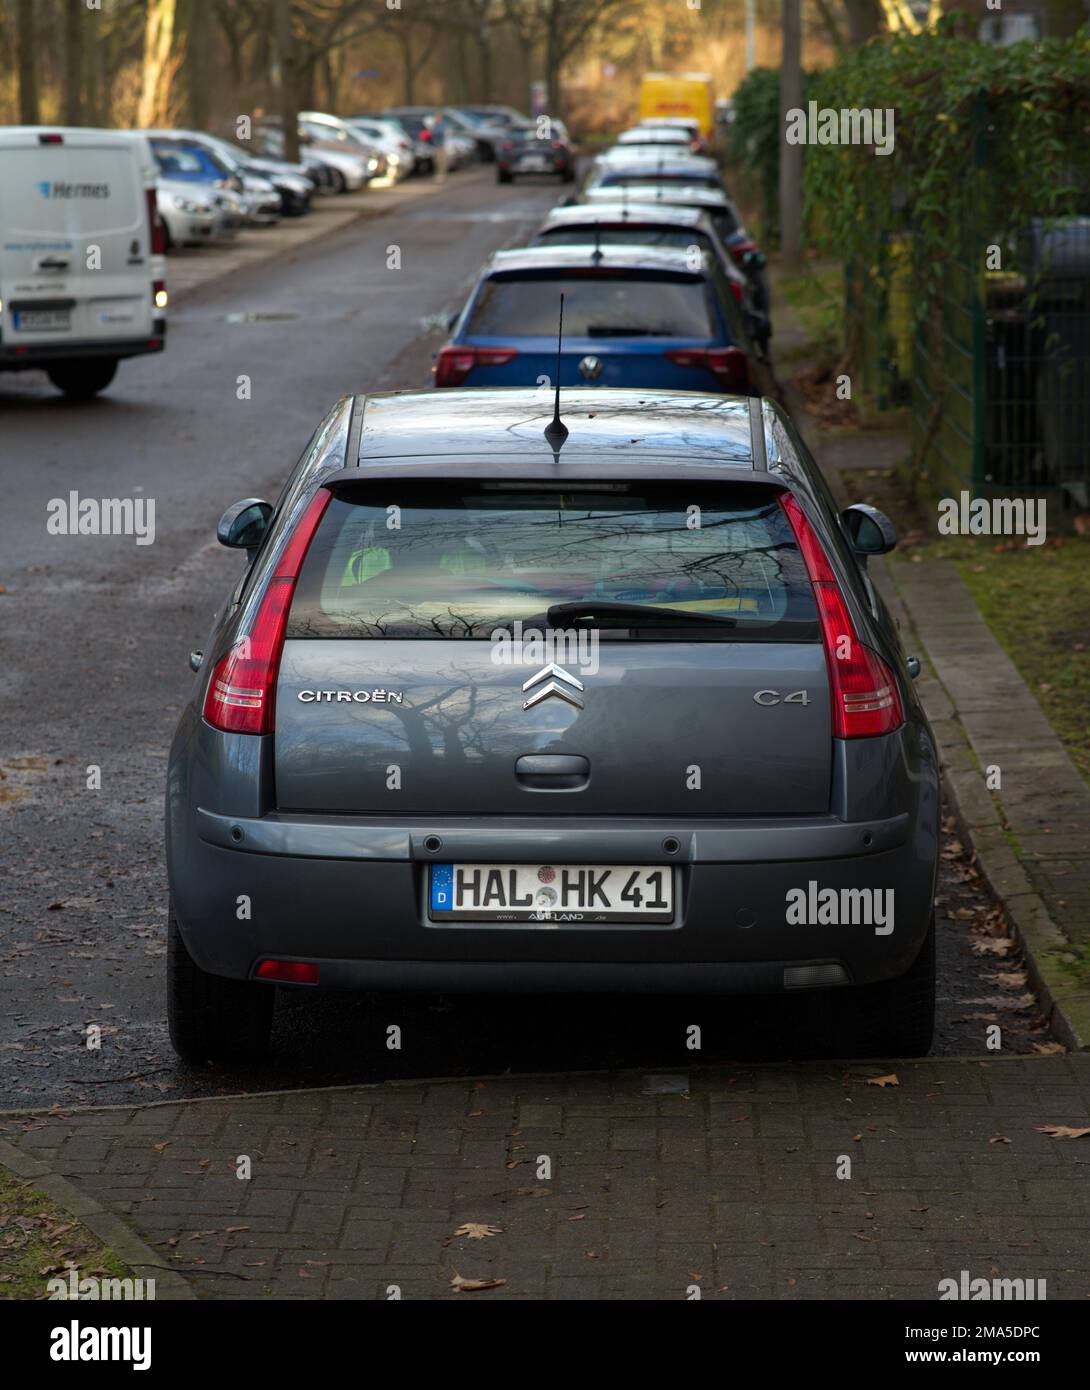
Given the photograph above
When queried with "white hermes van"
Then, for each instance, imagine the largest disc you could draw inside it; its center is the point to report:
(81, 254)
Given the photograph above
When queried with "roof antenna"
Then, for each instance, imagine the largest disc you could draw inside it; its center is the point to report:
(556, 431)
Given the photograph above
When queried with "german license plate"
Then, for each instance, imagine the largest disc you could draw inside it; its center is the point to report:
(560, 893)
(535, 163)
(42, 320)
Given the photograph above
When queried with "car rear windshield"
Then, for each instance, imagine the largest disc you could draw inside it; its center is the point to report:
(603, 304)
(695, 178)
(424, 560)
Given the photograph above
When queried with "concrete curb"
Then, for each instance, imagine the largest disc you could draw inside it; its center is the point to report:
(532, 1078)
(1065, 1004)
(110, 1229)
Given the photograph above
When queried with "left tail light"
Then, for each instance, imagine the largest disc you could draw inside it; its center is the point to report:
(454, 364)
(242, 690)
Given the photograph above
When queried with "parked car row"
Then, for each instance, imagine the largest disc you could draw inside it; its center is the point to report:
(209, 186)
(661, 284)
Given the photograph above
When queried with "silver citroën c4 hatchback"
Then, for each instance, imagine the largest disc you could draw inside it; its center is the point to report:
(500, 706)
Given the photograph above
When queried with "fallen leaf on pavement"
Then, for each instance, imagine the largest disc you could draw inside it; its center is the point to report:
(890, 1080)
(994, 946)
(460, 1285)
(477, 1230)
(1063, 1131)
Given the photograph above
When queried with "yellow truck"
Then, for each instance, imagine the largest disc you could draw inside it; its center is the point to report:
(679, 94)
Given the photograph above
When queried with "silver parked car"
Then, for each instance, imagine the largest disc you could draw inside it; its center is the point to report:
(192, 215)
(508, 702)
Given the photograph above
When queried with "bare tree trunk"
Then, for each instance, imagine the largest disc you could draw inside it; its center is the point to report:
(158, 39)
(863, 21)
(198, 58)
(790, 155)
(74, 10)
(552, 58)
(484, 54)
(89, 78)
(26, 46)
(408, 73)
(288, 94)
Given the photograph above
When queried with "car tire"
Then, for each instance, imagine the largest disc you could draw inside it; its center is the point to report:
(212, 1018)
(338, 183)
(81, 380)
(502, 176)
(894, 1018)
(568, 176)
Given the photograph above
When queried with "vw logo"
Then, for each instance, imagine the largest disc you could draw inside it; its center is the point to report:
(590, 368)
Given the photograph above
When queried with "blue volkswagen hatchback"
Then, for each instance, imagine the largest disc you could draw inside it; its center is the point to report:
(639, 316)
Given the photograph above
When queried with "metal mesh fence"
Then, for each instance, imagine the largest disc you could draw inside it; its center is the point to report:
(997, 373)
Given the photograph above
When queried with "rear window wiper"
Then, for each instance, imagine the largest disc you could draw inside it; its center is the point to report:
(637, 614)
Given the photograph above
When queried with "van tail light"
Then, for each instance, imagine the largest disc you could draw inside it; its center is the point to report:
(740, 249)
(729, 365)
(155, 225)
(454, 364)
(242, 689)
(866, 701)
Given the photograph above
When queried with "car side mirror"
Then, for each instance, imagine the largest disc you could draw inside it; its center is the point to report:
(243, 525)
(871, 531)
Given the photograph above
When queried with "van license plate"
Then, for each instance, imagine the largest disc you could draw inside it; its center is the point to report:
(43, 320)
(560, 893)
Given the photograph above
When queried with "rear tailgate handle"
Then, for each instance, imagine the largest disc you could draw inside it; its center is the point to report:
(553, 772)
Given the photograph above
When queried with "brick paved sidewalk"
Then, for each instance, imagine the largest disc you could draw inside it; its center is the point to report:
(732, 1187)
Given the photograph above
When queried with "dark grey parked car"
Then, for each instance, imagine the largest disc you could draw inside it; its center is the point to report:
(610, 710)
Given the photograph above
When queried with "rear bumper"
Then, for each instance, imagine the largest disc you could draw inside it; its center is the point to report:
(561, 977)
(350, 893)
(34, 354)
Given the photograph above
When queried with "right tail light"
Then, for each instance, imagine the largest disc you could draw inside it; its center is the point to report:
(866, 701)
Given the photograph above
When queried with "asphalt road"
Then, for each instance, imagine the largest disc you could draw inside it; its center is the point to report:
(95, 632)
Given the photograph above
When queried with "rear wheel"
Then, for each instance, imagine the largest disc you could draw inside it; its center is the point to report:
(82, 380)
(338, 182)
(503, 176)
(212, 1017)
(895, 1018)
